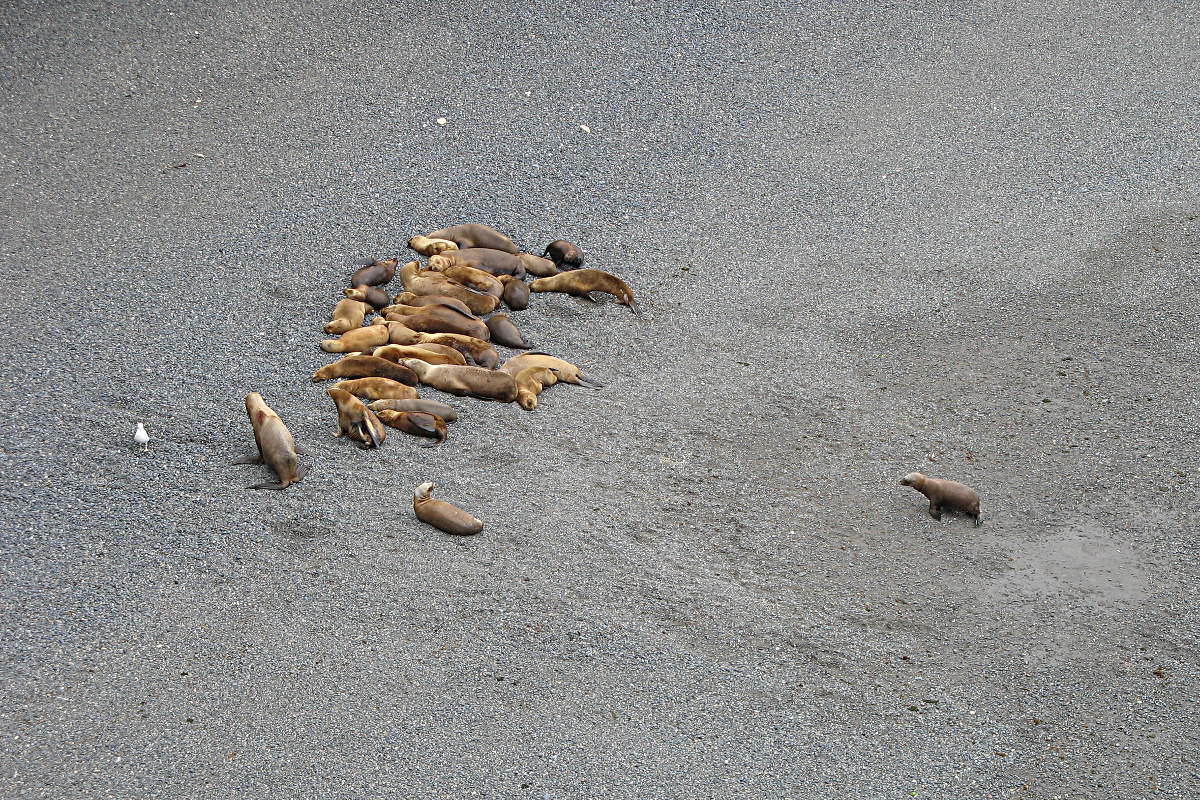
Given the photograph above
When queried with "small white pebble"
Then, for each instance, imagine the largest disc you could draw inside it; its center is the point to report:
(442, 120)
(585, 129)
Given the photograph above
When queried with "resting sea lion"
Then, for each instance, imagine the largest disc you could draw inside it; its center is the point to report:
(418, 423)
(365, 367)
(429, 282)
(516, 292)
(565, 370)
(476, 280)
(428, 406)
(951, 495)
(371, 295)
(478, 382)
(565, 255)
(495, 262)
(536, 265)
(426, 352)
(462, 237)
(443, 515)
(505, 332)
(347, 315)
(377, 389)
(530, 382)
(580, 282)
(476, 350)
(355, 420)
(443, 319)
(357, 340)
(418, 300)
(376, 273)
(276, 447)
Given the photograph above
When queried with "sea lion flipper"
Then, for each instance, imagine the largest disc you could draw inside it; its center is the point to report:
(302, 450)
(590, 383)
(635, 308)
(301, 470)
(273, 486)
(252, 459)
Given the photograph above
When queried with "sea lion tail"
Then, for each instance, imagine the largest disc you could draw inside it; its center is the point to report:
(273, 486)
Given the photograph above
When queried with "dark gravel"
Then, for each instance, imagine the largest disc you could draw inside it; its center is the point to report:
(867, 238)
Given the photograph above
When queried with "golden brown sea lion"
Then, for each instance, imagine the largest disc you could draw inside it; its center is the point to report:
(347, 315)
(429, 282)
(276, 447)
(951, 495)
(516, 292)
(365, 367)
(376, 273)
(476, 350)
(565, 370)
(443, 515)
(377, 389)
(495, 262)
(463, 237)
(357, 340)
(580, 282)
(536, 265)
(476, 280)
(410, 299)
(565, 255)
(443, 319)
(371, 295)
(530, 382)
(420, 404)
(505, 332)
(355, 420)
(486, 384)
(443, 354)
(418, 423)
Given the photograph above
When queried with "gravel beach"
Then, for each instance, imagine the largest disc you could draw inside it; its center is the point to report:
(867, 239)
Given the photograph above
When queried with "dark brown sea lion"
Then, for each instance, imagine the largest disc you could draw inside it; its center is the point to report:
(530, 382)
(486, 384)
(565, 370)
(516, 293)
(494, 262)
(357, 340)
(565, 255)
(365, 367)
(433, 353)
(443, 515)
(505, 332)
(418, 423)
(580, 282)
(377, 389)
(371, 295)
(951, 495)
(347, 315)
(376, 273)
(420, 404)
(355, 420)
(276, 447)
(463, 237)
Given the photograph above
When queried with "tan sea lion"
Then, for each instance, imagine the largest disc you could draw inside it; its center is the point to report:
(951, 495)
(443, 354)
(377, 389)
(476, 280)
(417, 300)
(504, 332)
(347, 315)
(355, 420)
(565, 255)
(565, 370)
(580, 282)
(420, 404)
(443, 515)
(429, 282)
(371, 295)
(478, 382)
(464, 236)
(495, 262)
(418, 423)
(538, 266)
(276, 447)
(357, 340)
(365, 367)
(476, 350)
(376, 273)
(516, 292)
(530, 382)
(443, 319)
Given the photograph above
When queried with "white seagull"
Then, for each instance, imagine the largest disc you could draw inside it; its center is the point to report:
(141, 437)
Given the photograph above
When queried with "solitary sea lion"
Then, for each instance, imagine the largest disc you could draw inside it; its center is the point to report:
(355, 420)
(276, 447)
(536, 265)
(365, 367)
(420, 404)
(426, 282)
(580, 282)
(952, 495)
(371, 295)
(357, 340)
(443, 515)
(478, 382)
(565, 255)
(347, 315)
(410, 299)
(418, 423)
(462, 237)
(530, 382)
(505, 332)
(377, 389)
(565, 370)
(376, 273)
(426, 352)
(495, 262)
(516, 292)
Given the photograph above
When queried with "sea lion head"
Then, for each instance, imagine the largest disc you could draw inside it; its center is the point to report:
(431, 247)
(439, 262)
(912, 479)
(422, 491)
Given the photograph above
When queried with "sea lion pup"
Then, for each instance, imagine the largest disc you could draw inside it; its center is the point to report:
(419, 404)
(426, 352)
(516, 293)
(371, 295)
(564, 254)
(580, 282)
(494, 262)
(443, 319)
(426, 282)
(536, 265)
(486, 384)
(951, 495)
(377, 389)
(463, 237)
(347, 315)
(376, 273)
(443, 515)
(357, 340)
(564, 370)
(530, 382)
(476, 280)
(505, 332)
(409, 299)
(355, 420)
(276, 447)
(418, 423)
(365, 367)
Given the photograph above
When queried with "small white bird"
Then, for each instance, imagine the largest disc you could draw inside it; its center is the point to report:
(141, 437)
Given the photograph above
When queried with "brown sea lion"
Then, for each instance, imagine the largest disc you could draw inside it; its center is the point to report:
(951, 495)
(376, 273)
(565, 370)
(429, 282)
(357, 340)
(377, 389)
(443, 354)
(478, 382)
(365, 367)
(418, 423)
(476, 280)
(443, 515)
(505, 332)
(347, 315)
(420, 404)
(443, 319)
(530, 382)
(538, 266)
(276, 447)
(464, 236)
(580, 282)
(355, 420)
(495, 262)
(516, 292)
(476, 350)
(371, 295)
(409, 299)
(565, 255)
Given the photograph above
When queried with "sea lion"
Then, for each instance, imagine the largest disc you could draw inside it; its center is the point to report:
(347, 315)
(371, 295)
(580, 282)
(516, 293)
(565, 255)
(376, 273)
(536, 265)
(409, 299)
(433, 353)
(365, 367)
(476, 350)
(565, 370)
(443, 319)
(478, 382)
(951, 495)
(357, 340)
(418, 423)
(495, 262)
(476, 280)
(443, 515)
(377, 389)
(355, 420)
(425, 282)
(505, 332)
(276, 447)
(530, 382)
(462, 237)
(420, 404)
